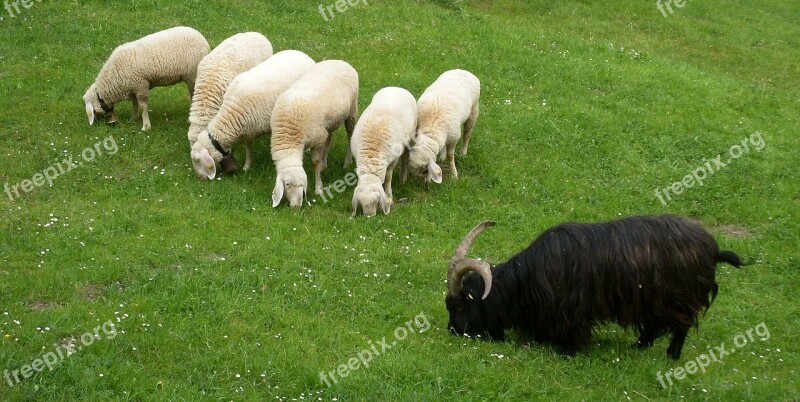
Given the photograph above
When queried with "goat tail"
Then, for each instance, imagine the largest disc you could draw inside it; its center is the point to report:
(730, 257)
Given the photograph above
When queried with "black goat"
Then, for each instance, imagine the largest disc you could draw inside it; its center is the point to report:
(652, 273)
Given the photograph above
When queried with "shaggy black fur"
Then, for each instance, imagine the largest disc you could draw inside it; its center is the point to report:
(651, 273)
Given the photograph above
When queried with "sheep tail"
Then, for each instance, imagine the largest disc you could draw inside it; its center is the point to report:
(730, 257)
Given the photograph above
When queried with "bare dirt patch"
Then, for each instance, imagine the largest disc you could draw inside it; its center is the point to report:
(92, 292)
(734, 231)
(40, 305)
(217, 257)
(730, 230)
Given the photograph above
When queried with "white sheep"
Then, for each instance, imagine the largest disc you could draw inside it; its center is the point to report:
(381, 136)
(246, 110)
(448, 104)
(305, 117)
(156, 60)
(230, 58)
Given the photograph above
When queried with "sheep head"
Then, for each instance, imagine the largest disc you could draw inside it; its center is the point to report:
(95, 105)
(422, 159)
(370, 194)
(291, 183)
(206, 153)
(205, 157)
(468, 315)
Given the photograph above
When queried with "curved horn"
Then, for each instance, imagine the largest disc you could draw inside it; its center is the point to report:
(463, 247)
(461, 267)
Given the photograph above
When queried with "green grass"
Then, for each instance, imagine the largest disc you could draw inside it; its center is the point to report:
(586, 108)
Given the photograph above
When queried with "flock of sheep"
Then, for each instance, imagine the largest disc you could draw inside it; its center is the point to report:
(241, 91)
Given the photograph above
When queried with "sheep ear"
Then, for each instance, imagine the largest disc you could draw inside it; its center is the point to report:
(90, 113)
(386, 204)
(277, 193)
(355, 203)
(434, 172)
(208, 164)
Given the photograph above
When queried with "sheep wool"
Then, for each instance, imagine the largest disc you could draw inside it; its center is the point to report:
(446, 106)
(160, 59)
(230, 58)
(246, 109)
(305, 117)
(382, 135)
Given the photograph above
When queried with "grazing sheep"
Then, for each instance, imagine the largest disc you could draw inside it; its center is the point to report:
(233, 56)
(160, 59)
(381, 136)
(652, 273)
(305, 117)
(448, 104)
(246, 110)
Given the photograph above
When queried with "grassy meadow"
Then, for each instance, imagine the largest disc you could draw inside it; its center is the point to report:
(589, 110)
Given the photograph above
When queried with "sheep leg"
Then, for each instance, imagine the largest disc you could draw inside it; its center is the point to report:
(318, 156)
(349, 125)
(451, 159)
(404, 165)
(327, 148)
(134, 109)
(142, 98)
(468, 126)
(248, 159)
(387, 181)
